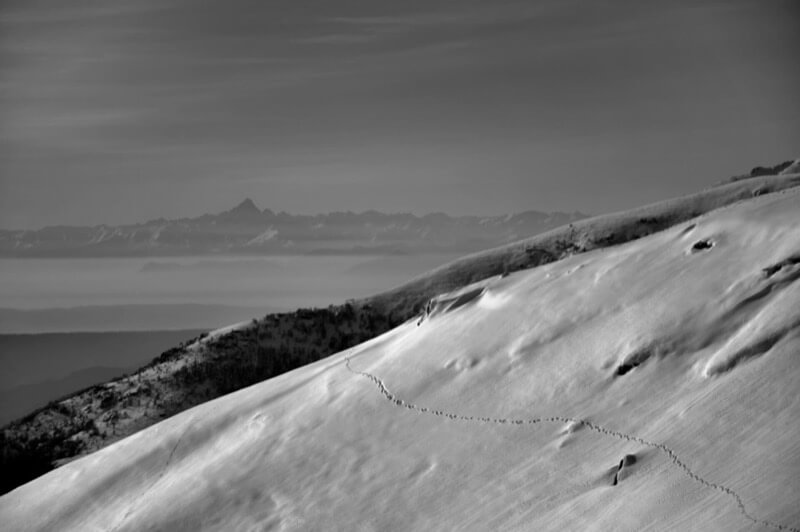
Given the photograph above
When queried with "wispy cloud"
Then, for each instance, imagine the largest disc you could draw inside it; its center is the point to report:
(338, 38)
(115, 92)
(455, 14)
(61, 13)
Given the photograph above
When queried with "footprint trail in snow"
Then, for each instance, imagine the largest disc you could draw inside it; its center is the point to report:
(674, 458)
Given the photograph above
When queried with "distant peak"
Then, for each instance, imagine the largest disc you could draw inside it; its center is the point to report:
(247, 207)
(247, 204)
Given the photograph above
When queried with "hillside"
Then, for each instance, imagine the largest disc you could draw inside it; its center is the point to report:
(578, 237)
(198, 371)
(647, 385)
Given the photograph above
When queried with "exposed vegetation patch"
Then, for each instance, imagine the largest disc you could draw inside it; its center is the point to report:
(634, 360)
(770, 170)
(622, 369)
(761, 171)
(178, 379)
(627, 461)
(771, 270)
(702, 245)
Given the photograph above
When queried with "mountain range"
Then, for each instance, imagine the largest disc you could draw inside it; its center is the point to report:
(248, 230)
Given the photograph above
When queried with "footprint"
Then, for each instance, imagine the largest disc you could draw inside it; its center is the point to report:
(460, 364)
(614, 475)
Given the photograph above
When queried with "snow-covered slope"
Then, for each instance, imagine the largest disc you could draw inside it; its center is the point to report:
(647, 386)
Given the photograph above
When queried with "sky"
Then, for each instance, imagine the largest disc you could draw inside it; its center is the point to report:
(118, 111)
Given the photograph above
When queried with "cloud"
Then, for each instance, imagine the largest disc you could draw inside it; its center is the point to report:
(60, 13)
(115, 94)
(338, 39)
(443, 16)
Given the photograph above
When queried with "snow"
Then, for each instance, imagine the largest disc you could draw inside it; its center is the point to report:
(216, 333)
(157, 232)
(263, 238)
(507, 408)
(793, 168)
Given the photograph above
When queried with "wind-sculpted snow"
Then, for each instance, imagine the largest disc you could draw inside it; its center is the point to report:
(646, 386)
(777, 319)
(156, 479)
(673, 457)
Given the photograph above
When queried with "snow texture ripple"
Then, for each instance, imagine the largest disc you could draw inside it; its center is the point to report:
(674, 458)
